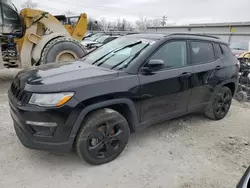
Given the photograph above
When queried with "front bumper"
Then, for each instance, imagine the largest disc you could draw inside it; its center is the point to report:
(59, 139)
(33, 144)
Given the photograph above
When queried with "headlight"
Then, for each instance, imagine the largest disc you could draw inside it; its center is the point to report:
(52, 99)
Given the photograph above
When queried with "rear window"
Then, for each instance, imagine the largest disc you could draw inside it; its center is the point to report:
(202, 52)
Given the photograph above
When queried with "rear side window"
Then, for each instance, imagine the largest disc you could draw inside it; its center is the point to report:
(218, 51)
(202, 52)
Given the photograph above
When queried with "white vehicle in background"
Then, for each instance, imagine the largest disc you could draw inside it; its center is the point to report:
(92, 45)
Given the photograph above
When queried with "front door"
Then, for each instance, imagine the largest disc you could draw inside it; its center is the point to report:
(165, 93)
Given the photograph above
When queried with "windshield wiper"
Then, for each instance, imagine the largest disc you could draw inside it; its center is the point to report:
(102, 57)
(121, 62)
(115, 51)
(135, 55)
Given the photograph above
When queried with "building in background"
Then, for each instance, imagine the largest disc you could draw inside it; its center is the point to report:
(229, 32)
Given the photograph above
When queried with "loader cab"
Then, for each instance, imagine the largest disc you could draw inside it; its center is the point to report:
(10, 20)
(62, 18)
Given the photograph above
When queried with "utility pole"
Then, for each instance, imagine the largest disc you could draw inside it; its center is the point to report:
(164, 19)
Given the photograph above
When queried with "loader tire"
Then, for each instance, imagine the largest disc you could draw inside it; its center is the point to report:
(62, 49)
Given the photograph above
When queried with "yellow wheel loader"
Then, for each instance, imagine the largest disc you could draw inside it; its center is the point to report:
(35, 37)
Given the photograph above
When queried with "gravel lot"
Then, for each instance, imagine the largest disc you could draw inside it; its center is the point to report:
(188, 152)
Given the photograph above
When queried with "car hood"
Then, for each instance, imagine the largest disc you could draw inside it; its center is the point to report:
(58, 77)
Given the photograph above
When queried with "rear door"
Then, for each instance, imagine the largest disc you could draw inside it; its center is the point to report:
(165, 93)
(207, 66)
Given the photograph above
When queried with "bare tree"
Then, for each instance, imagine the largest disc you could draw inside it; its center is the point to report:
(118, 24)
(111, 26)
(155, 22)
(103, 24)
(142, 23)
(29, 4)
(93, 24)
(126, 25)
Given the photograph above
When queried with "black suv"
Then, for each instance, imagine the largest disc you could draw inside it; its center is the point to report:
(92, 105)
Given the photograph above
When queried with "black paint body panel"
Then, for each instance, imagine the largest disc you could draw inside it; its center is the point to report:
(150, 98)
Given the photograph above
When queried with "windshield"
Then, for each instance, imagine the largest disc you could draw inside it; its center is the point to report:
(102, 39)
(240, 46)
(118, 53)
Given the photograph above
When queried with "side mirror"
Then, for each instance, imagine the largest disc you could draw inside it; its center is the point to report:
(153, 65)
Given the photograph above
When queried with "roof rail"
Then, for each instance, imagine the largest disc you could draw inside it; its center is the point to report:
(195, 34)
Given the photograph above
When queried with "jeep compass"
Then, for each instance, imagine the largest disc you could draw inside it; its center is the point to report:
(92, 105)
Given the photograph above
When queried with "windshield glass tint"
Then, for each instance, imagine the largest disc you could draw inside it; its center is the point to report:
(240, 46)
(120, 51)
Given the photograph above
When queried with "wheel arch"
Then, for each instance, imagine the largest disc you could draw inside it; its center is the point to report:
(231, 86)
(123, 106)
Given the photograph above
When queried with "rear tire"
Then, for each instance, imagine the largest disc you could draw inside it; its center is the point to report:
(220, 105)
(102, 137)
(62, 49)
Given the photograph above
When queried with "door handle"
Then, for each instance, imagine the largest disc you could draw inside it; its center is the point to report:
(185, 74)
(218, 67)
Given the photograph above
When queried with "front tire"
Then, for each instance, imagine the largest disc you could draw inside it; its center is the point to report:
(102, 137)
(220, 105)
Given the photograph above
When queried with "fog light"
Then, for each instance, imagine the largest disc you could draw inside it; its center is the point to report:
(41, 124)
(42, 128)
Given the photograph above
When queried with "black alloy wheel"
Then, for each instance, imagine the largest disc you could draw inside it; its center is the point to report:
(103, 136)
(104, 141)
(221, 104)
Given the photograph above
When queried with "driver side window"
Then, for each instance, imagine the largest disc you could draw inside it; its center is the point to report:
(174, 54)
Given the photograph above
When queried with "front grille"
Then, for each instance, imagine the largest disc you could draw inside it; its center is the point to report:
(18, 93)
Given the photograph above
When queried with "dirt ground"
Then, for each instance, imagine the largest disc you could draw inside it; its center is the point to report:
(189, 152)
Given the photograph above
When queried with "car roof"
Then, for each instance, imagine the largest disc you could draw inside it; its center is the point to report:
(198, 37)
(157, 36)
(146, 36)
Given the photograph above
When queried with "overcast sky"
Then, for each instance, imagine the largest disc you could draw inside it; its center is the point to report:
(177, 11)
